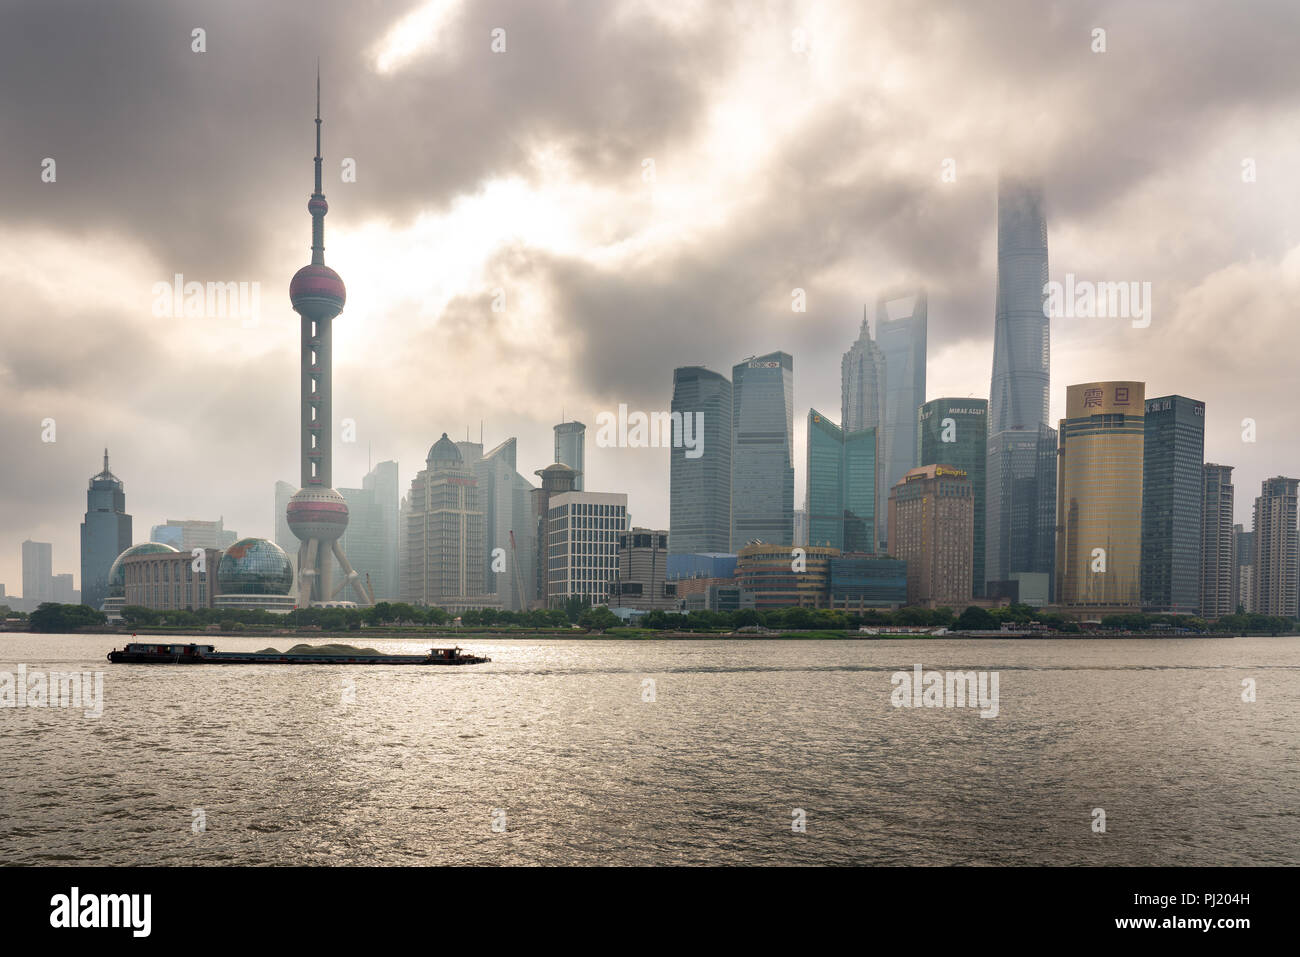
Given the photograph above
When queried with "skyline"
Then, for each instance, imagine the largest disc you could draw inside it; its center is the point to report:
(194, 411)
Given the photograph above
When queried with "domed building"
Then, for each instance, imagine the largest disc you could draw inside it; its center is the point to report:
(116, 596)
(443, 454)
(255, 573)
(443, 561)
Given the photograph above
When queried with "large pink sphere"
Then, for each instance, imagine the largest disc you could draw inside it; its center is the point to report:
(317, 292)
(319, 513)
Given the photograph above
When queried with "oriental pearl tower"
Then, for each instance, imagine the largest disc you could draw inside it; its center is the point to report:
(317, 513)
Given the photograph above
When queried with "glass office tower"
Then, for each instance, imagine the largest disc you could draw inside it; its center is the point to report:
(700, 488)
(841, 486)
(1172, 478)
(762, 451)
(1020, 504)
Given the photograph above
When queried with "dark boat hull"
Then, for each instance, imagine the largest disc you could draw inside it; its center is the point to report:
(233, 658)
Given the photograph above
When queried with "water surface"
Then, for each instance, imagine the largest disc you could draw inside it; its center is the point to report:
(408, 765)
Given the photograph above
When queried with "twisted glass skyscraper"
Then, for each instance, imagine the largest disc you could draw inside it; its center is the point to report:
(1021, 341)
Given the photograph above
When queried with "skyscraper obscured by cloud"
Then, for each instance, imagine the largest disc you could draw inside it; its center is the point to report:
(762, 451)
(370, 541)
(700, 485)
(105, 534)
(505, 497)
(1021, 332)
(1020, 476)
(902, 343)
(188, 534)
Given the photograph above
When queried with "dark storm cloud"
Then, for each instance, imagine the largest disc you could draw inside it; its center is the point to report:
(205, 155)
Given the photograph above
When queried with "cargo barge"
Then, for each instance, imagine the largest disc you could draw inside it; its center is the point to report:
(139, 653)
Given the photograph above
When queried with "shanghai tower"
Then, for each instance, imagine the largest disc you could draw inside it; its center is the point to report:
(1021, 344)
(317, 514)
(1020, 489)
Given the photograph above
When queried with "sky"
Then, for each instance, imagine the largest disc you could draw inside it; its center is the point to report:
(557, 203)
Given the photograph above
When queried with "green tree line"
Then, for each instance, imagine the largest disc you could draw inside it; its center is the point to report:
(52, 617)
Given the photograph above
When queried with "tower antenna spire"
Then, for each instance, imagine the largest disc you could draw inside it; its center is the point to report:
(318, 207)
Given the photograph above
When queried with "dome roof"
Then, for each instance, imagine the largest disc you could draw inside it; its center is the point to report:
(558, 477)
(254, 566)
(117, 574)
(444, 451)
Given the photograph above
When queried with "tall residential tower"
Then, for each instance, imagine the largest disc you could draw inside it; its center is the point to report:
(1218, 541)
(1275, 542)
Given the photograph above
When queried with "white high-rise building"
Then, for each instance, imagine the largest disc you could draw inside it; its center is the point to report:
(582, 555)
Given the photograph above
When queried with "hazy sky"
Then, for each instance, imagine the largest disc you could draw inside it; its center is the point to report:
(793, 145)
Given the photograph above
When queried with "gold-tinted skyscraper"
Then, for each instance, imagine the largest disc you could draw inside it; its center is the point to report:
(1099, 496)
